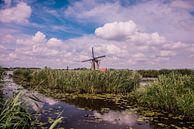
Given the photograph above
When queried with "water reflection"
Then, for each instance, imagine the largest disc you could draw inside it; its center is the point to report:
(33, 100)
(116, 117)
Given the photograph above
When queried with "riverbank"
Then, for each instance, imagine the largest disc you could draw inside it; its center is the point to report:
(76, 117)
(12, 113)
(166, 101)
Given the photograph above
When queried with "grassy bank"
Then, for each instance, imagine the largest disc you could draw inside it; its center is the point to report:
(172, 93)
(79, 81)
(13, 115)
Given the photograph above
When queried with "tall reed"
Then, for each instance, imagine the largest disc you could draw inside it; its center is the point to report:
(86, 81)
(1, 72)
(13, 115)
(172, 93)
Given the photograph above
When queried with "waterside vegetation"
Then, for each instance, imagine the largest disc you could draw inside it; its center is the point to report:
(172, 92)
(70, 81)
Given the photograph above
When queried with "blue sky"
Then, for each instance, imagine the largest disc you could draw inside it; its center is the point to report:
(135, 34)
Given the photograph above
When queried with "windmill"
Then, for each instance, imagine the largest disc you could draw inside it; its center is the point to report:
(94, 60)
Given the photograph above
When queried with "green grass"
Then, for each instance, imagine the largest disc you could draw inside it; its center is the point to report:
(173, 93)
(86, 81)
(1, 72)
(13, 116)
(156, 73)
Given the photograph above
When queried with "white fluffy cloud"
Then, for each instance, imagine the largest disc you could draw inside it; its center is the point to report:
(39, 37)
(58, 53)
(116, 30)
(127, 31)
(53, 42)
(172, 19)
(130, 32)
(19, 14)
(166, 53)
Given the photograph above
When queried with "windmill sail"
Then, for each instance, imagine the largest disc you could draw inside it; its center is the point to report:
(94, 60)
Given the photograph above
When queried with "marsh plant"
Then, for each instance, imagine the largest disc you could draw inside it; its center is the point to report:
(173, 93)
(156, 73)
(80, 81)
(1, 72)
(13, 115)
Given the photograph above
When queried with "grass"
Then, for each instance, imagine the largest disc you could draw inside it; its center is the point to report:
(1, 72)
(79, 81)
(13, 116)
(172, 93)
(13, 113)
(156, 73)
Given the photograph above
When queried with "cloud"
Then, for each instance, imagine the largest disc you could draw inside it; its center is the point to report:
(53, 42)
(39, 37)
(187, 5)
(166, 53)
(38, 51)
(18, 14)
(175, 45)
(129, 32)
(116, 30)
(173, 19)
(7, 2)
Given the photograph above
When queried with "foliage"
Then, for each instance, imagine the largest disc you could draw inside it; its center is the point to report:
(13, 116)
(172, 93)
(156, 73)
(1, 72)
(85, 81)
(23, 77)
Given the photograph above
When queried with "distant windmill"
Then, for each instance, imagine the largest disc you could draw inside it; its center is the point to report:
(94, 60)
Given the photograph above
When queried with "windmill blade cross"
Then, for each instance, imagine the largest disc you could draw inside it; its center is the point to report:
(87, 60)
(94, 60)
(100, 57)
(92, 52)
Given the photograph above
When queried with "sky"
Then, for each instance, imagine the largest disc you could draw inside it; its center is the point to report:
(133, 34)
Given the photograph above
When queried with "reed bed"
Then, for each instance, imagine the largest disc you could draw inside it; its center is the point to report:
(12, 115)
(1, 72)
(172, 93)
(80, 81)
(156, 73)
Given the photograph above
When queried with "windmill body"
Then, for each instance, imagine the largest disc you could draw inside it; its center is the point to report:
(95, 61)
